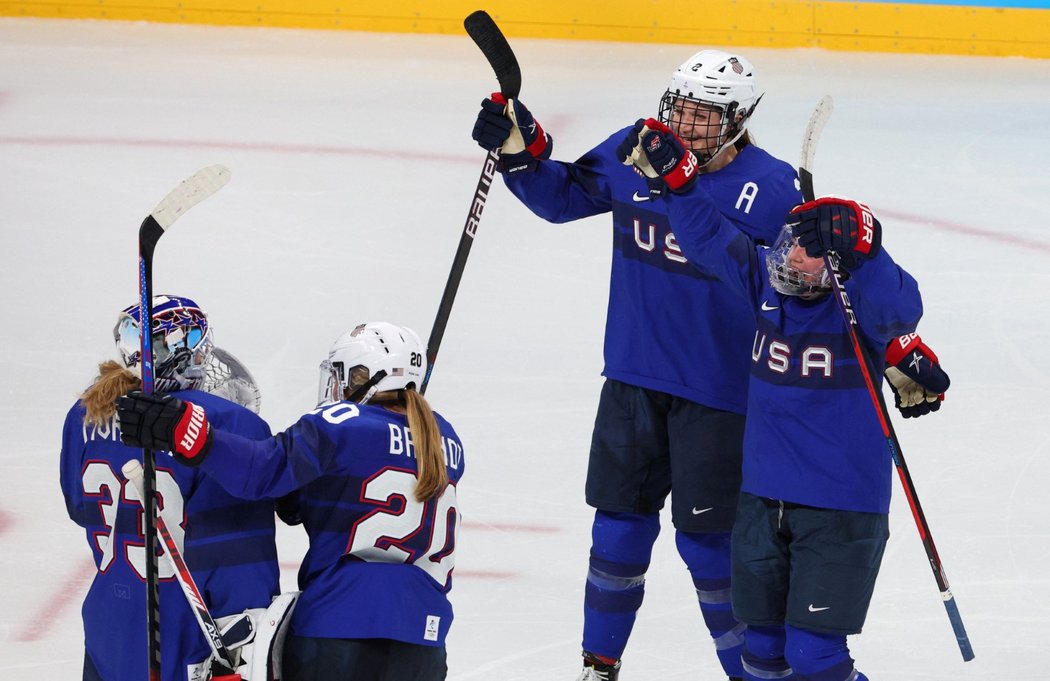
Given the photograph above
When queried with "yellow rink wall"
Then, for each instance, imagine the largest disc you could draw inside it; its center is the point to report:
(1020, 29)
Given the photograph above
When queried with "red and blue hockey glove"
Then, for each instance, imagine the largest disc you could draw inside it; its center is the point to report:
(915, 376)
(163, 422)
(510, 127)
(659, 156)
(832, 223)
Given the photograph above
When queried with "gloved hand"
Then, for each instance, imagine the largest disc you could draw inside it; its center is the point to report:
(167, 423)
(510, 127)
(832, 223)
(915, 376)
(659, 156)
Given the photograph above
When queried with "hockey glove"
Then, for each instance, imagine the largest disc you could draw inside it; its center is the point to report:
(163, 422)
(510, 127)
(659, 156)
(844, 226)
(915, 376)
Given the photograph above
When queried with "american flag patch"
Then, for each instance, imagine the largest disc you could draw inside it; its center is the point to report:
(397, 372)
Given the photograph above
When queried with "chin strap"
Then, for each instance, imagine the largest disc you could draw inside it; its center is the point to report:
(367, 390)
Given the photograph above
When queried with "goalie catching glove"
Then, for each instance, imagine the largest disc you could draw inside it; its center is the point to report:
(659, 156)
(915, 376)
(163, 422)
(508, 125)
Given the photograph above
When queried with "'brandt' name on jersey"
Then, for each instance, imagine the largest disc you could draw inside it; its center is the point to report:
(401, 445)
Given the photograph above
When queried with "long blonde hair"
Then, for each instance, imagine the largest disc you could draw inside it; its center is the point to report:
(100, 400)
(432, 477)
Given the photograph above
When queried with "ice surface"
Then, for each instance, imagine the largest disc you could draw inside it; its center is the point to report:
(353, 170)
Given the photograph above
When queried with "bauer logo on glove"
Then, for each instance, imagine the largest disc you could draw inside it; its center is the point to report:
(915, 375)
(163, 422)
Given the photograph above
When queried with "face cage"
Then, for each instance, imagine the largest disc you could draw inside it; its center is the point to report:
(792, 281)
(671, 100)
(179, 356)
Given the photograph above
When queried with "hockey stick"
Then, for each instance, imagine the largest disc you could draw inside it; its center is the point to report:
(864, 361)
(486, 34)
(188, 194)
(133, 471)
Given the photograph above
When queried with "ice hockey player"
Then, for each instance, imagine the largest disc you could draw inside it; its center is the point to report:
(228, 543)
(671, 413)
(376, 472)
(812, 523)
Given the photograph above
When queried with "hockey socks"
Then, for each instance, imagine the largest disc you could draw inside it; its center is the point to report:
(763, 655)
(707, 557)
(621, 549)
(816, 656)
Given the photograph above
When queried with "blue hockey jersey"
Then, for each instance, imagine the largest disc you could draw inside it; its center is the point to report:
(812, 434)
(669, 326)
(228, 544)
(380, 562)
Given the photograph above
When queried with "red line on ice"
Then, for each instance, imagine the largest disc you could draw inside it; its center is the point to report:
(5, 521)
(45, 618)
(277, 148)
(510, 527)
(1028, 244)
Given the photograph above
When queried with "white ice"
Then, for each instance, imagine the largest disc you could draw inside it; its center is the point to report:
(353, 170)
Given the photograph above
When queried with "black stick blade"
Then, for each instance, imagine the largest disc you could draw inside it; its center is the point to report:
(487, 36)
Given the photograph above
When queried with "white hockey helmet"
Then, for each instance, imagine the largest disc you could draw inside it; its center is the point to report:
(788, 276)
(363, 351)
(716, 80)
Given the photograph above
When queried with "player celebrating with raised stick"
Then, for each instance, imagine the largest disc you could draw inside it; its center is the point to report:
(671, 413)
(376, 472)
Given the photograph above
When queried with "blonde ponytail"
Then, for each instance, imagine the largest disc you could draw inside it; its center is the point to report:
(100, 400)
(432, 477)
(426, 438)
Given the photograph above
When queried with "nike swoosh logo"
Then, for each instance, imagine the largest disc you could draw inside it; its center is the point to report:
(638, 198)
(766, 307)
(812, 609)
(702, 510)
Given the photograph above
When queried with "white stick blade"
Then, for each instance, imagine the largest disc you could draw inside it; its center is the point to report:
(191, 191)
(817, 120)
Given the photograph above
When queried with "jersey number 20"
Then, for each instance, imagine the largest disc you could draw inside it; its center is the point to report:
(405, 530)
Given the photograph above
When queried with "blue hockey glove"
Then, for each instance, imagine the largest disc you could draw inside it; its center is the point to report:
(511, 128)
(831, 223)
(163, 422)
(659, 156)
(915, 375)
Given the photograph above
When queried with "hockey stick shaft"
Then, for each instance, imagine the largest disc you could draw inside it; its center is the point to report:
(864, 362)
(133, 472)
(149, 233)
(486, 34)
(187, 194)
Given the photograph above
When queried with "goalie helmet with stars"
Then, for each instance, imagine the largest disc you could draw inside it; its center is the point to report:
(710, 81)
(363, 351)
(182, 342)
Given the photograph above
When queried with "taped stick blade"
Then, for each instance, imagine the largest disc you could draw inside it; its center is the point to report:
(486, 35)
(191, 191)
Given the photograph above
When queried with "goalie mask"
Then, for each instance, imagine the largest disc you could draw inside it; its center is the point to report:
(182, 342)
(709, 101)
(794, 273)
(362, 352)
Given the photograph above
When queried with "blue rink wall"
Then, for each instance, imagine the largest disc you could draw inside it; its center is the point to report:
(1005, 28)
